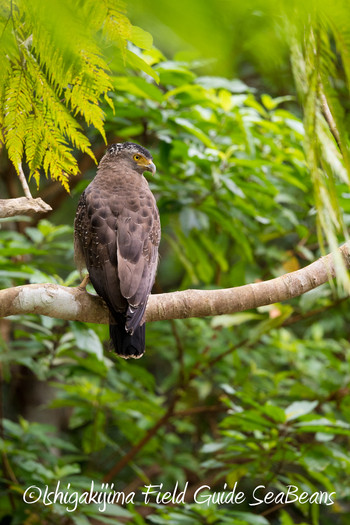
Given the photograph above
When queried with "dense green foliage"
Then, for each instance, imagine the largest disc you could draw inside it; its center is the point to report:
(260, 40)
(257, 398)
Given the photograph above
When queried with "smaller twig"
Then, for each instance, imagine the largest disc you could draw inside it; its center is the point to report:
(143, 441)
(24, 182)
(273, 509)
(147, 473)
(301, 317)
(200, 410)
(330, 121)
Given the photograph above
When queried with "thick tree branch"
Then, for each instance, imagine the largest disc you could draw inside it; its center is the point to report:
(77, 305)
(22, 206)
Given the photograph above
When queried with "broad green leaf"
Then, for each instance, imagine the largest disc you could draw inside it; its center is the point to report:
(136, 62)
(299, 408)
(191, 128)
(209, 448)
(234, 319)
(234, 86)
(138, 86)
(141, 38)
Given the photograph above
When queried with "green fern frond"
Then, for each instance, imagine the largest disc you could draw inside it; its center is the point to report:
(51, 105)
(16, 109)
(54, 77)
(83, 97)
(57, 157)
(34, 144)
(116, 26)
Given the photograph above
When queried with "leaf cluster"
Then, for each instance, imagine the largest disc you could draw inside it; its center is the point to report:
(53, 77)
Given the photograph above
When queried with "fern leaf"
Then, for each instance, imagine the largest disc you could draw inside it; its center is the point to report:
(54, 76)
(17, 106)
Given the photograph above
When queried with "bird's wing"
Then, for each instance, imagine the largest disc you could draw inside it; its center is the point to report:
(138, 237)
(95, 233)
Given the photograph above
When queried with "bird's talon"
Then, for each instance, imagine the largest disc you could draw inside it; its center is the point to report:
(84, 282)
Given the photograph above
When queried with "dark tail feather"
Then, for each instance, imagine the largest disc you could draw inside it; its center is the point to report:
(127, 345)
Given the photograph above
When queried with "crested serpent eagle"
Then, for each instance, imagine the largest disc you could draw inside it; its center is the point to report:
(116, 237)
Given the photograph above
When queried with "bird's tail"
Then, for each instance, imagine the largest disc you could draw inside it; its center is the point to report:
(125, 344)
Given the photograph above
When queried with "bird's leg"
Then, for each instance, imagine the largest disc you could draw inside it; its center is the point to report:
(84, 282)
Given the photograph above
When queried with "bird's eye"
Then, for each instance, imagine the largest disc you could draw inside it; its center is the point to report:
(137, 157)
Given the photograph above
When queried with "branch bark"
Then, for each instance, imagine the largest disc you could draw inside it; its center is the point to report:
(22, 206)
(76, 304)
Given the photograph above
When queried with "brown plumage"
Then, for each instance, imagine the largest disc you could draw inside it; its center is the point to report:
(116, 237)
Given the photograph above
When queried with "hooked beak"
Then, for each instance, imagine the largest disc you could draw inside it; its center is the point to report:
(151, 167)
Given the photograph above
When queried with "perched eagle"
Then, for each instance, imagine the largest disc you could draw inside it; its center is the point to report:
(116, 237)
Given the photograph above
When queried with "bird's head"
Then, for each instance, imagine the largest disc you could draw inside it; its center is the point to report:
(137, 157)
